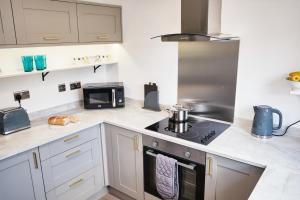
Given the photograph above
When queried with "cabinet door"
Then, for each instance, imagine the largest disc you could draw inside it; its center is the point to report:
(229, 180)
(69, 164)
(45, 22)
(99, 23)
(79, 188)
(71, 141)
(127, 161)
(21, 177)
(7, 29)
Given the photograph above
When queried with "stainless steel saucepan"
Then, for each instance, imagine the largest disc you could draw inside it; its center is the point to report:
(178, 113)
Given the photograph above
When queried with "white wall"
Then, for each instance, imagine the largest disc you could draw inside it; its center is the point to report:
(270, 48)
(140, 59)
(45, 94)
(143, 60)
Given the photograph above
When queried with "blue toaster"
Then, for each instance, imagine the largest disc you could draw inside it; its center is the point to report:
(13, 120)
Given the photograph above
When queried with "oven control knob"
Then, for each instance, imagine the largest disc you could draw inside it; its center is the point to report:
(155, 144)
(187, 154)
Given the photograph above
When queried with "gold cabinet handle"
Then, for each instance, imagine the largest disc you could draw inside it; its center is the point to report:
(102, 37)
(76, 153)
(76, 183)
(71, 138)
(210, 166)
(51, 38)
(35, 160)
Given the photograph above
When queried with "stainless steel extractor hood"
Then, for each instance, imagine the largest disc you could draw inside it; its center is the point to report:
(200, 21)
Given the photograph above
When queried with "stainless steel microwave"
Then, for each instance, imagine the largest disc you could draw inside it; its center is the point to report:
(103, 95)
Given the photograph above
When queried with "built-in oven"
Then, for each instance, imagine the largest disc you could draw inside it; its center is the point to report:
(103, 95)
(191, 168)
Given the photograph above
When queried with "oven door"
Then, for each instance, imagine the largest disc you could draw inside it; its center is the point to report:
(99, 98)
(191, 176)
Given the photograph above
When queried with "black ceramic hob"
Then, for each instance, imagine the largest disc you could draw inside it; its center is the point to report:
(194, 130)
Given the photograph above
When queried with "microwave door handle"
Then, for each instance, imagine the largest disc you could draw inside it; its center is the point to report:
(113, 98)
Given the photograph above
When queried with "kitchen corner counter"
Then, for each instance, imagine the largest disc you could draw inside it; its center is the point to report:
(280, 156)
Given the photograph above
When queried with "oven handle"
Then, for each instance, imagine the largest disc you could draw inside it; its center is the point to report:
(190, 166)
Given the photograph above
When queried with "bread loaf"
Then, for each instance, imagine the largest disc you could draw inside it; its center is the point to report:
(59, 120)
(73, 118)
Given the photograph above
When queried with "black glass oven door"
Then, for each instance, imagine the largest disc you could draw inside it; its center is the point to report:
(191, 182)
(100, 98)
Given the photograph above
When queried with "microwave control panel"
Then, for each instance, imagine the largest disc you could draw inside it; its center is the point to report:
(120, 99)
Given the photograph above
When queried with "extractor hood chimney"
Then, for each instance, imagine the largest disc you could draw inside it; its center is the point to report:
(200, 21)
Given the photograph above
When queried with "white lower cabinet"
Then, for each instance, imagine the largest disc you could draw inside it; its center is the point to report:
(53, 148)
(73, 166)
(69, 164)
(71, 169)
(229, 180)
(21, 177)
(79, 188)
(125, 161)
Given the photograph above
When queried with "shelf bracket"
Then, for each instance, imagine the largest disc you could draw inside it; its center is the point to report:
(96, 67)
(44, 74)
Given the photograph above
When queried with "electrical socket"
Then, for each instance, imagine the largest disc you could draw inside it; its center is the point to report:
(75, 85)
(62, 87)
(23, 94)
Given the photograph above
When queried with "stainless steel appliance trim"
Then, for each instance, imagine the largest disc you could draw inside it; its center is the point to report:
(201, 16)
(16, 130)
(113, 97)
(177, 150)
(200, 21)
(189, 166)
(8, 110)
(261, 136)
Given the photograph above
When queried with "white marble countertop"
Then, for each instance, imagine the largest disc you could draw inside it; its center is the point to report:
(279, 155)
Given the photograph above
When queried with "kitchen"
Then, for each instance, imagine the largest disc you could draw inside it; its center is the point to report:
(265, 59)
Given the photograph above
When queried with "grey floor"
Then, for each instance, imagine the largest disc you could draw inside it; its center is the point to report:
(109, 197)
